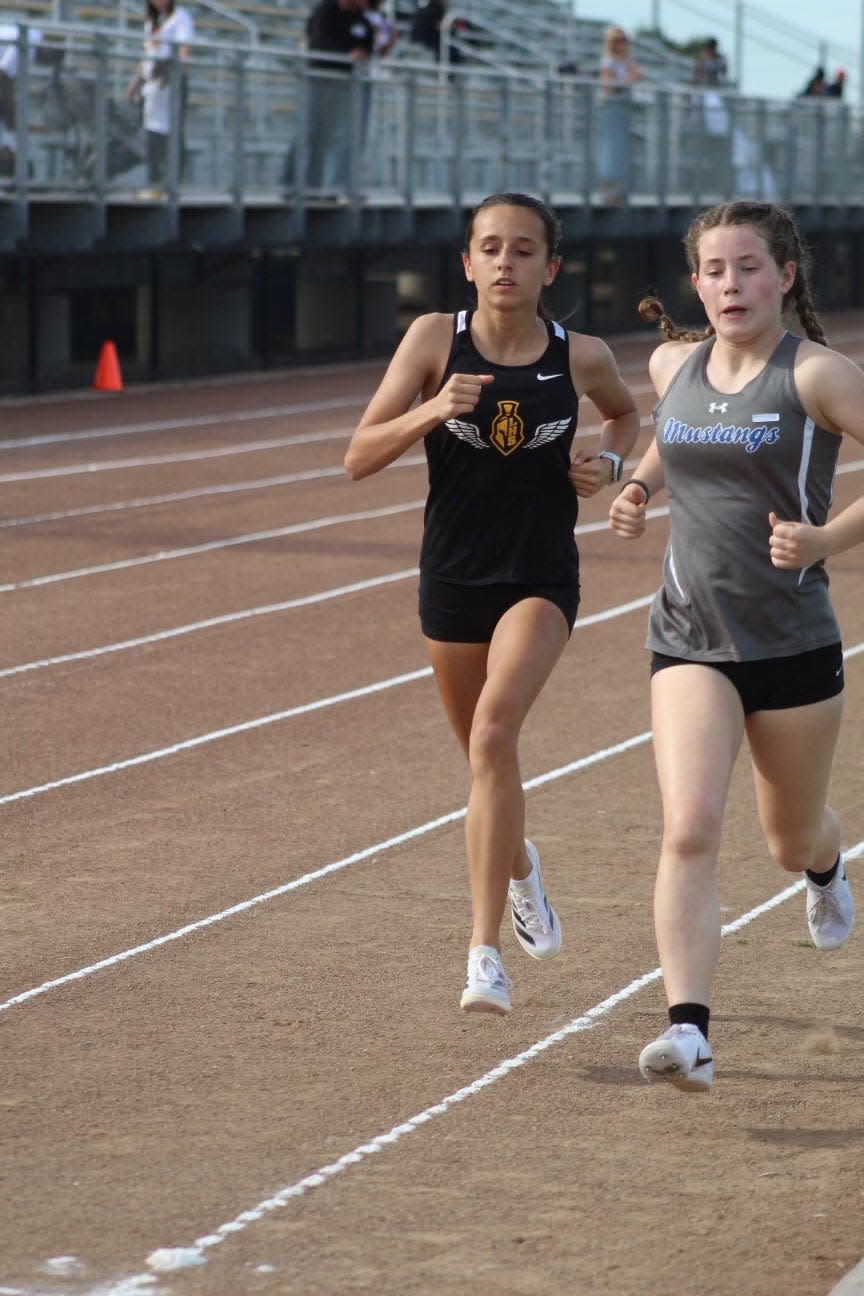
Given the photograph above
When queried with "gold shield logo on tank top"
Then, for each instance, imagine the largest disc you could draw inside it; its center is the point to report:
(508, 429)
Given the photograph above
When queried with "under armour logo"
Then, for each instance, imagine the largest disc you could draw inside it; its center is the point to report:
(718, 407)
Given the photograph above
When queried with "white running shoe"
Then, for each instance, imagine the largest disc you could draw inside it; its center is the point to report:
(535, 922)
(487, 988)
(680, 1055)
(830, 910)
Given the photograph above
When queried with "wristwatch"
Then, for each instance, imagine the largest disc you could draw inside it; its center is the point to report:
(616, 461)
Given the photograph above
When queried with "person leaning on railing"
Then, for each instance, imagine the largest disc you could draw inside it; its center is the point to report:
(165, 25)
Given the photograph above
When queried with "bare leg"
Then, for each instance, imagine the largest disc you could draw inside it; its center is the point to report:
(792, 751)
(698, 724)
(527, 642)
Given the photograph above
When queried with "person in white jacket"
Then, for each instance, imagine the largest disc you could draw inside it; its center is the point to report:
(165, 25)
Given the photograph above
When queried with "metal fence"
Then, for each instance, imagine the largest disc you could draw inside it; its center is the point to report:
(253, 127)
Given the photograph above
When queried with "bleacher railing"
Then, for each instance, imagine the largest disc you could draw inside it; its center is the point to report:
(265, 126)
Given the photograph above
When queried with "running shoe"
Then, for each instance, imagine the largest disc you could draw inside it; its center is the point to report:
(535, 922)
(830, 910)
(487, 988)
(682, 1056)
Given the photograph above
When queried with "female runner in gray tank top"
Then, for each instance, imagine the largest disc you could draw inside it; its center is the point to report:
(499, 578)
(744, 640)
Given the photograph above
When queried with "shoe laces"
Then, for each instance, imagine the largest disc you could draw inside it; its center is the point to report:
(529, 912)
(489, 970)
(825, 905)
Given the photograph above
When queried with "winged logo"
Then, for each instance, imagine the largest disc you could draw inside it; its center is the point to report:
(467, 432)
(547, 432)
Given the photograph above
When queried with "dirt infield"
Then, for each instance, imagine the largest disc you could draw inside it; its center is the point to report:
(235, 913)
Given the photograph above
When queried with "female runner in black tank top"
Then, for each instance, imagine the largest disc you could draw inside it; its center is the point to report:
(499, 569)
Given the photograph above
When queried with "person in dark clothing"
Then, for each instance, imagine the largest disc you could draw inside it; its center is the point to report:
(426, 28)
(709, 65)
(337, 27)
(815, 87)
(498, 390)
(834, 90)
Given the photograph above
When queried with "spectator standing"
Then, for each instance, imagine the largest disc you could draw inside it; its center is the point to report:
(835, 89)
(712, 142)
(709, 66)
(386, 32)
(341, 28)
(618, 72)
(426, 29)
(9, 59)
(166, 26)
(815, 87)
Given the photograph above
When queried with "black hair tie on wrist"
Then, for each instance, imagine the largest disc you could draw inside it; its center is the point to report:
(637, 481)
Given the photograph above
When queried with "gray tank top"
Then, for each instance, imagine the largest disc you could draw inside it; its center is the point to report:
(729, 461)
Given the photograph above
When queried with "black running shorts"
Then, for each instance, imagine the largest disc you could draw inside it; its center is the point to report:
(776, 683)
(469, 613)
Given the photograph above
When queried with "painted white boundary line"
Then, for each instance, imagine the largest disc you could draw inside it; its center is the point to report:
(638, 740)
(257, 722)
(261, 722)
(198, 492)
(227, 618)
(273, 411)
(306, 600)
(166, 1259)
(294, 529)
(421, 830)
(851, 1284)
(221, 452)
(251, 537)
(199, 421)
(210, 546)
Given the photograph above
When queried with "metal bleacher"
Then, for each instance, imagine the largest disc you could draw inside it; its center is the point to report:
(429, 138)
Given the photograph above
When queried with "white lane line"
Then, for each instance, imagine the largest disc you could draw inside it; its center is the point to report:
(198, 492)
(158, 461)
(268, 609)
(168, 1259)
(539, 780)
(296, 528)
(210, 546)
(194, 456)
(217, 735)
(258, 413)
(227, 618)
(261, 722)
(638, 740)
(228, 488)
(199, 421)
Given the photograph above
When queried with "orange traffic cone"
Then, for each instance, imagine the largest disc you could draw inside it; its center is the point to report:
(107, 376)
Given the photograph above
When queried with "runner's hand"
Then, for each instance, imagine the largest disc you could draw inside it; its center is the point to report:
(794, 544)
(461, 393)
(627, 514)
(588, 474)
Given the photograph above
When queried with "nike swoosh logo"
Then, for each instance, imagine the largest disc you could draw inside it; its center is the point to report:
(546, 377)
(700, 1061)
(837, 672)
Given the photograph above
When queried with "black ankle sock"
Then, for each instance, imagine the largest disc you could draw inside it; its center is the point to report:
(695, 1014)
(822, 879)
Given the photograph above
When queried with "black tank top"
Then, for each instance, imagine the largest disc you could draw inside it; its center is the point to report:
(501, 508)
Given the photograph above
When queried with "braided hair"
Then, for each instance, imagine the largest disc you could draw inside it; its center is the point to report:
(779, 231)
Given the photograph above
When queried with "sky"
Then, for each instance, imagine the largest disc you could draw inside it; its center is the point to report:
(779, 55)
